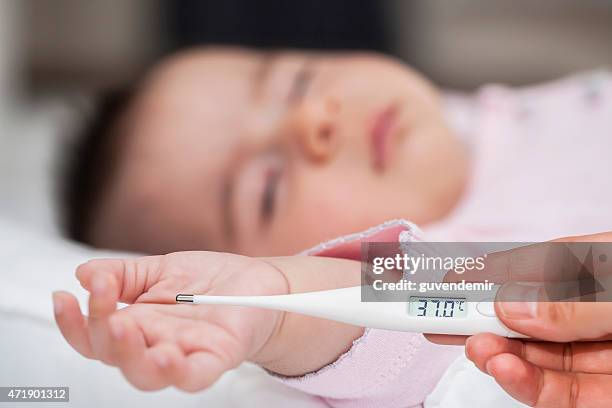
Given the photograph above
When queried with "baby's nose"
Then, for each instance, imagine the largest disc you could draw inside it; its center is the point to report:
(318, 130)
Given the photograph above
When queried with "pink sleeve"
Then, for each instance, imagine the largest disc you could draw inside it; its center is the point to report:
(382, 369)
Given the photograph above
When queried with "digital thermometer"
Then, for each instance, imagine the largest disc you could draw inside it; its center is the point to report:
(435, 312)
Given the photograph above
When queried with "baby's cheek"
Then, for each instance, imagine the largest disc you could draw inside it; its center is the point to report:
(308, 223)
(321, 204)
(331, 212)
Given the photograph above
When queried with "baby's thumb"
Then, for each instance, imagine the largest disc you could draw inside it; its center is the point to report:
(132, 276)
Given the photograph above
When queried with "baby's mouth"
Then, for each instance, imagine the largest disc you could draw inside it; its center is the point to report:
(382, 127)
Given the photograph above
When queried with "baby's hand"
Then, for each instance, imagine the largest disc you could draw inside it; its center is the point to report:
(157, 343)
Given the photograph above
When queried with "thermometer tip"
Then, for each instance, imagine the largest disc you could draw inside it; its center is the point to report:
(182, 298)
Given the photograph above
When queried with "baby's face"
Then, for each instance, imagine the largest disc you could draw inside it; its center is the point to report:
(267, 154)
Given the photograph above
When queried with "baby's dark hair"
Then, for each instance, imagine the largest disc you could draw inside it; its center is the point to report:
(93, 162)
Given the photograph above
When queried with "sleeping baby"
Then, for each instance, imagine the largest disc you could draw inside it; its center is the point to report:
(254, 157)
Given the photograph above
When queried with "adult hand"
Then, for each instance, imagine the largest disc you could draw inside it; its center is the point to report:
(571, 365)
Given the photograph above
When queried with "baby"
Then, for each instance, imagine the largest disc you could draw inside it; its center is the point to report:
(260, 154)
(233, 150)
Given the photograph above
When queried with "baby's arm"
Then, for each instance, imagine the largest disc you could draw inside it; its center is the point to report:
(157, 343)
(303, 344)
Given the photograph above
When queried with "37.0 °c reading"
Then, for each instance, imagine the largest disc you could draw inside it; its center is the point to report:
(437, 307)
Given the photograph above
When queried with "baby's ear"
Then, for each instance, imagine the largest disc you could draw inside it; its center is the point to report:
(349, 246)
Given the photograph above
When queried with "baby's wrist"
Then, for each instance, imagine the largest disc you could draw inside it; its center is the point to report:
(296, 345)
(271, 348)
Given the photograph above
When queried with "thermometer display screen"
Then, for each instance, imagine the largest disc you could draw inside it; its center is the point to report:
(437, 307)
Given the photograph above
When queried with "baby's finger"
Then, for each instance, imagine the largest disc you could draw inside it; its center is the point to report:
(541, 388)
(102, 304)
(585, 357)
(71, 322)
(170, 361)
(133, 276)
(132, 356)
(202, 369)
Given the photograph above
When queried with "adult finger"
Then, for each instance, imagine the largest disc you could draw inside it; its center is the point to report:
(542, 262)
(446, 339)
(543, 388)
(557, 260)
(557, 321)
(585, 357)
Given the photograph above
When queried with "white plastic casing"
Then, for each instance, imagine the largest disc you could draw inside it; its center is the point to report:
(345, 305)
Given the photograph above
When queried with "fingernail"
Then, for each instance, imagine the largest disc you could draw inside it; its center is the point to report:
(57, 304)
(487, 367)
(519, 300)
(519, 310)
(116, 328)
(98, 285)
(467, 347)
(79, 272)
(160, 359)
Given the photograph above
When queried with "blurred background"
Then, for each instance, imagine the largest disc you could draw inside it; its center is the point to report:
(459, 43)
(56, 54)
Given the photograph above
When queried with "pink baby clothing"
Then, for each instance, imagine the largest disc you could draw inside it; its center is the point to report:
(541, 161)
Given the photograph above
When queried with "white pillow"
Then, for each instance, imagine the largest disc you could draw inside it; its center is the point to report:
(30, 153)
